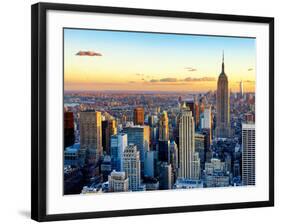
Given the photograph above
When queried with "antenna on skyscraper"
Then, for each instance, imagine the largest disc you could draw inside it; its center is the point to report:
(222, 65)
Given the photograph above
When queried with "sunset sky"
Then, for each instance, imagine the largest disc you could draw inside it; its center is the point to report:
(110, 60)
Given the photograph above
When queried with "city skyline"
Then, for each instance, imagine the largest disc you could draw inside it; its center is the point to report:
(136, 61)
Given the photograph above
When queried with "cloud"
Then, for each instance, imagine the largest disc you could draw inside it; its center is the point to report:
(164, 80)
(190, 69)
(168, 80)
(206, 79)
(187, 79)
(250, 69)
(88, 53)
(140, 74)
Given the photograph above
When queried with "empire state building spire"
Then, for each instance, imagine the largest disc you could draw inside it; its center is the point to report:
(222, 65)
(223, 129)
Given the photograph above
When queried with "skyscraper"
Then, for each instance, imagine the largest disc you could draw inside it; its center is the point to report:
(208, 138)
(154, 134)
(223, 119)
(91, 134)
(164, 127)
(248, 154)
(105, 135)
(138, 116)
(151, 120)
(112, 127)
(196, 171)
(149, 163)
(200, 147)
(117, 148)
(131, 166)
(165, 176)
(206, 122)
(192, 105)
(69, 137)
(196, 115)
(109, 128)
(186, 143)
(105, 167)
(139, 136)
(164, 151)
(201, 111)
(174, 159)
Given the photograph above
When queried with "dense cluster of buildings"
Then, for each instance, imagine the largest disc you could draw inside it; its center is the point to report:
(117, 142)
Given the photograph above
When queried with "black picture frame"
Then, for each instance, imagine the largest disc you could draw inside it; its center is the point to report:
(38, 110)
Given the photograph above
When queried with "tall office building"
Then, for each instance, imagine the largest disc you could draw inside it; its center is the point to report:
(187, 104)
(109, 127)
(118, 182)
(174, 159)
(118, 144)
(165, 176)
(164, 127)
(105, 167)
(208, 137)
(196, 115)
(139, 116)
(139, 136)
(112, 127)
(151, 120)
(131, 166)
(190, 103)
(154, 136)
(164, 151)
(69, 137)
(206, 122)
(223, 118)
(200, 147)
(196, 169)
(105, 134)
(201, 112)
(186, 143)
(248, 154)
(91, 134)
(149, 163)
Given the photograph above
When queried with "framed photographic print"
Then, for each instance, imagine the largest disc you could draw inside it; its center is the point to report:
(139, 111)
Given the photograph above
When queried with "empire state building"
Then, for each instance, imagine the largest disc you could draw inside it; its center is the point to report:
(223, 129)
